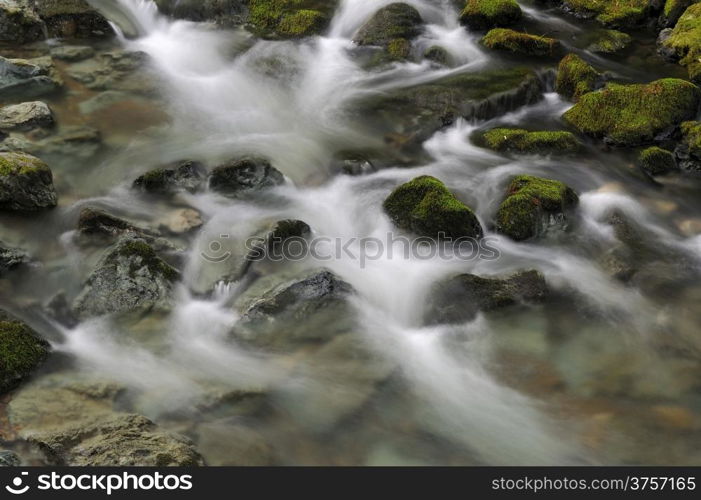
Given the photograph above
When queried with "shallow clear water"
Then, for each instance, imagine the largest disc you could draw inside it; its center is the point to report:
(610, 374)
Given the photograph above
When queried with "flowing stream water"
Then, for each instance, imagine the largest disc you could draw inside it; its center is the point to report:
(582, 381)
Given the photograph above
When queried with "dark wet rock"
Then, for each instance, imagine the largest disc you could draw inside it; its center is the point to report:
(437, 55)
(181, 176)
(657, 161)
(72, 19)
(59, 309)
(683, 43)
(72, 53)
(96, 222)
(534, 206)
(459, 299)
(688, 151)
(228, 443)
(672, 11)
(524, 141)
(487, 14)
(11, 258)
(289, 18)
(609, 42)
(26, 116)
(19, 23)
(426, 207)
(26, 183)
(21, 78)
(223, 12)
(630, 115)
(409, 116)
(576, 77)
(354, 165)
(21, 351)
(310, 309)
(245, 177)
(9, 459)
(396, 21)
(618, 14)
(508, 40)
(129, 277)
(122, 440)
(77, 141)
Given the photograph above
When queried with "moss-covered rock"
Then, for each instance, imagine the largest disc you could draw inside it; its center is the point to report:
(438, 55)
(523, 141)
(181, 176)
(684, 42)
(26, 183)
(534, 206)
(609, 42)
(672, 11)
(520, 43)
(575, 77)
(615, 13)
(488, 14)
(426, 207)
(459, 299)
(657, 161)
(21, 351)
(629, 115)
(19, 23)
(244, 177)
(396, 20)
(289, 18)
(689, 150)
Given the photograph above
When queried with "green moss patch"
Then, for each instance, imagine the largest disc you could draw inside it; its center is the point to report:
(426, 207)
(21, 351)
(145, 255)
(616, 13)
(685, 41)
(657, 161)
(629, 115)
(520, 43)
(20, 164)
(610, 41)
(289, 18)
(487, 14)
(523, 141)
(575, 77)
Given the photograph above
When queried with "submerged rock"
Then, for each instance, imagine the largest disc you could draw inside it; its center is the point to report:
(21, 78)
(129, 277)
(520, 43)
(182, 176)
(534, 206)
(21, 351)
(9, 459)
(610, 42)
(72, 19)
(19, 23)
(11, 258)
(683, 43)
(289, 18)
(72, 53)
(310, 309)
(657, 161)
(117, 70)
(487, 14)
(244, 177)
(617, 14)
(523, 141)
(629, 115)
(119, 441)
(575, 77)
(26, 183)
(426, 207)
(26, 116)
(459, 299)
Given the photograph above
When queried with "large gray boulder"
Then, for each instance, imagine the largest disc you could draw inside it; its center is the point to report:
(72, 19)
(21, 78)
(26, 183)
(129, 277)
(26, 116)
(19, 23)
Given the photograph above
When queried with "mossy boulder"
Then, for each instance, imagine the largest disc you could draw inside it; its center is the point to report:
(508, 40)
(614, 13)
(426, 207)
(289, 18)
(684, 42)
(672, 11)
(461, 298)
(438, 55)
(21, 351)
(72, 19)
(396, 20)
(488, 14)
(244, 177)
(182, 176)
(657, 161)
(26, 183)
(629, 115)
(523, 141)
(576, 77)
(534, 206)
(688, 151)
(19, 23)
(609, 42)
(130, 277)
